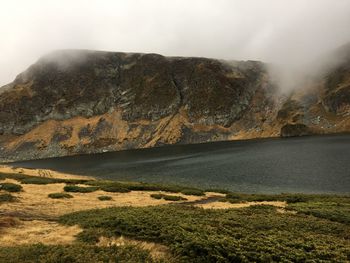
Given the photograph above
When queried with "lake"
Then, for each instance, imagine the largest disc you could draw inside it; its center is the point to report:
(319, 164)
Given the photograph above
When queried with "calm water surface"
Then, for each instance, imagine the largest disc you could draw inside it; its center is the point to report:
(308, 164)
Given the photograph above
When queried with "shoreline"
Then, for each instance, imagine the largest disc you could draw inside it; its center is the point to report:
(47, 173)
(220, 142)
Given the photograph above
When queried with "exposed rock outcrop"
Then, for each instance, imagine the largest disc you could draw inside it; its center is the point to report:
(293, 130)
(72, 102)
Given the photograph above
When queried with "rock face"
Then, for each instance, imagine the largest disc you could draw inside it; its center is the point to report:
(72, 102)
(293, 130)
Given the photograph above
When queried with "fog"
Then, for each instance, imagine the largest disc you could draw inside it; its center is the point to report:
(290, 34)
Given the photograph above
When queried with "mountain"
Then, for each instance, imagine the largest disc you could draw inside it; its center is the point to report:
(78, 101)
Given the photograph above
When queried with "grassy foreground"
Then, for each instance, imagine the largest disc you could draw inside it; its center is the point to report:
(77, 253)
(311, 228)
(255, 234)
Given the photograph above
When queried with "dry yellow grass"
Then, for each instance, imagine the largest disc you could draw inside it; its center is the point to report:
(7, 221)
(27, 220)
(52, 233)
(38, 231)
(41, 173)
(34, 202)
(157, 251)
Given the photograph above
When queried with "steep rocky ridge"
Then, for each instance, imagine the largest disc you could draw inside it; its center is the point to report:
(322, 105)
(77, 101)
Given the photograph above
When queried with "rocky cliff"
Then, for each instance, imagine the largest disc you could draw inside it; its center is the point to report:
(73, 102)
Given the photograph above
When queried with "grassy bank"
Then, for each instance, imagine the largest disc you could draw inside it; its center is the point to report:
(108, 186)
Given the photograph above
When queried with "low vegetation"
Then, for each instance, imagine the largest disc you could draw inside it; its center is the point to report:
(289, 198)
(192, 191)
(114, 189)
(10, 187)
(79, 189)
(168, 197)
(136, 186)
(60, 196)
(254, 234)
(27, 179)
(104, 198)
(40, 180)
(4, 198)
(78, 253)
(333, 210)
(107, 186)
(311, 228)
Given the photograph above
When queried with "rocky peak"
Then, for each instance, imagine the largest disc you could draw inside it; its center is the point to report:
(65, 84)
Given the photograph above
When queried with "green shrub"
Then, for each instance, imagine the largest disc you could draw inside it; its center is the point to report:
(233, 201)
(330, 210)
(60, 195)
(167, 197)
(38, 180)
(173, 198)
(104, 198)
(137, 186)
(233, 196)
(254, 234)
(289, 198)
(10, 187)
(114, 189)
(2, 176)
(77, 253)
(17, 177)
(192, 191)
(79, 189)
(295, 199)
(90, 236)
(7, 198)
(157, 196)
(72, 181)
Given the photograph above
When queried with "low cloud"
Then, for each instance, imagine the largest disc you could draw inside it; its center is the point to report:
(292, 35)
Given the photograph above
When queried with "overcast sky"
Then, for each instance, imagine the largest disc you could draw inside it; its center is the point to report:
(279, 31)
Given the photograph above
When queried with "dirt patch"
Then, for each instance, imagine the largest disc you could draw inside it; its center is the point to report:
(7, 221)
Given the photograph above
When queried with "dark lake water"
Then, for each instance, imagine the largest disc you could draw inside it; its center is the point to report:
(308, 164)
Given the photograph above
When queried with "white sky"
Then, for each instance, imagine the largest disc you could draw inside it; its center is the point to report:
(280, 31)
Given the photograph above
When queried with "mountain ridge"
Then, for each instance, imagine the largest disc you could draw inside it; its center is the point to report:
(73, 102)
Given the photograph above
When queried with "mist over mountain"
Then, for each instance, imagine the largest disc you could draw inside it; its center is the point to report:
(292, 35)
